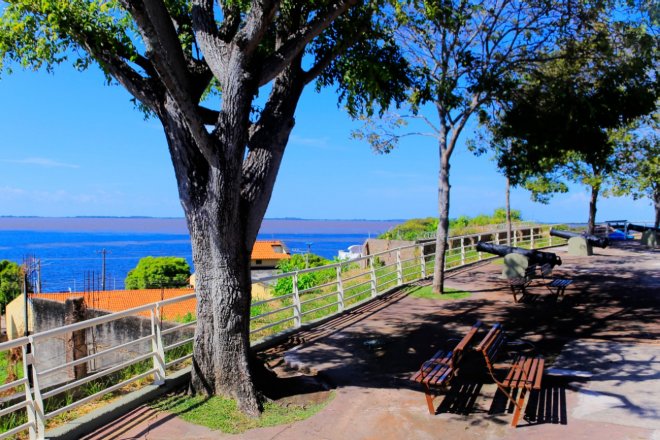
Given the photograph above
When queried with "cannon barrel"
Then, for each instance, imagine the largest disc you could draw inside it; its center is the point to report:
(640, 228)
(601, 242)
(534, 257)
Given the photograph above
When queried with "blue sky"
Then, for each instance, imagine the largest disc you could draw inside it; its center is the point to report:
(72, 146)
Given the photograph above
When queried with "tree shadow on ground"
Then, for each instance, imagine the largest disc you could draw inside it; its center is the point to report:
(381, 344)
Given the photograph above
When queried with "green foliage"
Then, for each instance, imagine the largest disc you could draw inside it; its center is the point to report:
(157, 272)
(411, 229)
(297, 262)
(420, 228)
(563, 115)
(638, 162)
(222, 413)
(10, 282)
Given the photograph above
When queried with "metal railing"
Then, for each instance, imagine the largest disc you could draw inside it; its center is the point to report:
(298, 298)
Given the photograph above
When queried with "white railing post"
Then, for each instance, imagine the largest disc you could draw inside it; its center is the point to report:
(497, 237)
(462, 251)
(373, 278)
(340, 289)
(479, 252)
(422, 258)
(399, 268)
(297, 312)
(39, 410)
(30, 408)
(157, 347)
(531, 238)
(550, 239)
(515, 238)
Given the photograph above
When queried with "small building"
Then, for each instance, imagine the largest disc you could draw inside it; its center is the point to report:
(268, 253)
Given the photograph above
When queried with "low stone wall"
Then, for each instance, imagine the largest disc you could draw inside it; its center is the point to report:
(54, 351)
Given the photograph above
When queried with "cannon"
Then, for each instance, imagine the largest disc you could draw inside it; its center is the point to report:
(650, 234)
(534, 257)
(592, 240)
(640, 228)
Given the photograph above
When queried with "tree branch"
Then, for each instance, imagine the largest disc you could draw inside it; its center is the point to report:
(208, 36)
(259, 18)
(298, 40)
(162, 43)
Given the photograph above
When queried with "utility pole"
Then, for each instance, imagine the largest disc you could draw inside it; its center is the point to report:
(309, 251)
(38, 276)
(103, 253)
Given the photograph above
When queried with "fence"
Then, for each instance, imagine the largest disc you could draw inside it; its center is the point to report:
(297, 298)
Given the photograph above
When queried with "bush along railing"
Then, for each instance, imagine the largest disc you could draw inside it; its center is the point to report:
(291, 301)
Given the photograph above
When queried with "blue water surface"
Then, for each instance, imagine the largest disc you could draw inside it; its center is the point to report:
(72, 261)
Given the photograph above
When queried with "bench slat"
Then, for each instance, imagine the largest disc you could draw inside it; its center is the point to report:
(440, 375)
(442, 367)
(539, 373)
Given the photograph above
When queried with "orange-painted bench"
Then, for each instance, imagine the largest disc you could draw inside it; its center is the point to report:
(525, 374)
(438, 371)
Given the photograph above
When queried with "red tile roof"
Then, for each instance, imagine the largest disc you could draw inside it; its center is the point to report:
(120, 300)
(264, 250)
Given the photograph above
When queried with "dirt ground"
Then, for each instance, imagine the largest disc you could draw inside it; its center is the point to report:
(368, 355)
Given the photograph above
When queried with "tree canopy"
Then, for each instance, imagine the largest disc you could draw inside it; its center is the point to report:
(637, 162)
(157, 272)
(224, 79)
(562, 122)
(11, 282)
(463, 55)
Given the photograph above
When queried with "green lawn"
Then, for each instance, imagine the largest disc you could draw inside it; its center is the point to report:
(223, 414)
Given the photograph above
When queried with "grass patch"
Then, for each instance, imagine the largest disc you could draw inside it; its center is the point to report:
(426, 292)
(222, 414)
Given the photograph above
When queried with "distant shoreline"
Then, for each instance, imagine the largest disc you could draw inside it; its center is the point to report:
(170, 225)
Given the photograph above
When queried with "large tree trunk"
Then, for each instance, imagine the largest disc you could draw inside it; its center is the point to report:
(443, 222)
(222, 264)
(591, 224)
(509, 227)
(225, 203)
(656, 203)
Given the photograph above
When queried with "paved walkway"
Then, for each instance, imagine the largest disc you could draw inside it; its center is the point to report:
(607, 325)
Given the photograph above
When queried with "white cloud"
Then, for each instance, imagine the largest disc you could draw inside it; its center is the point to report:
(57, 197)
(321, 142)
(43, 162)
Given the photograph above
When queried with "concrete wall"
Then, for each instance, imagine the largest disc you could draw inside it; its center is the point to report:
(15, 318)
(54, 351)
(376, 245)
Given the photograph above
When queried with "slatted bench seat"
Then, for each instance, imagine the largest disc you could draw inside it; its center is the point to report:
(556, 285)
(525, 374)
(438, 371)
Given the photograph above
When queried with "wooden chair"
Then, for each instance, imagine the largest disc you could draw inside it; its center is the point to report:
(525, 374)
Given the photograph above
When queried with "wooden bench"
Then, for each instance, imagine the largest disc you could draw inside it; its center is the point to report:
(525, 374)
(442, 367)
(556, 286)
(519, 284)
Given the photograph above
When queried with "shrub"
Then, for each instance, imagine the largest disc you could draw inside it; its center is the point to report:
(156, 272)
(284, 286)
(10, 282)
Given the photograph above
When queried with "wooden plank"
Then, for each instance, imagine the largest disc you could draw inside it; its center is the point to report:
(442, 376)
(488, 339)
(533, 372)
(539, 376)
(467, 338)
(518, 366)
